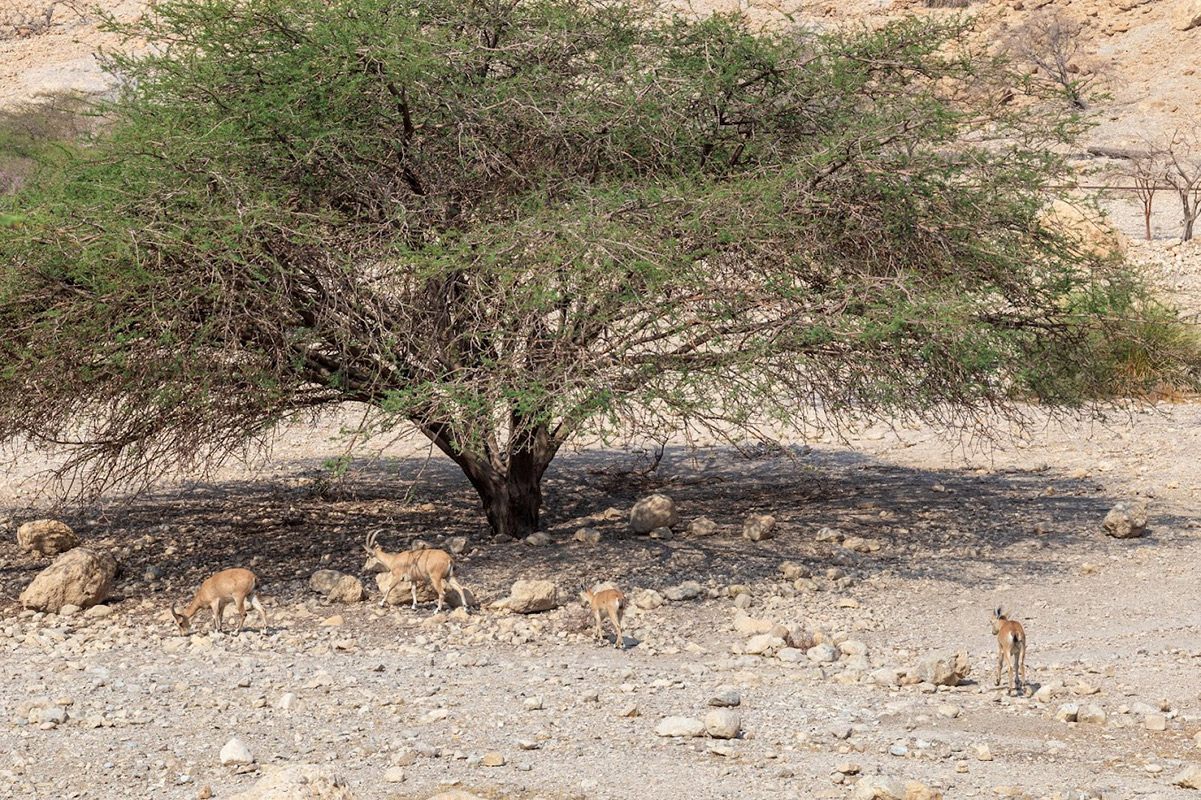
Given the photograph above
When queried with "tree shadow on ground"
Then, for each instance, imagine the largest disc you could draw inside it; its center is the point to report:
(926, 523)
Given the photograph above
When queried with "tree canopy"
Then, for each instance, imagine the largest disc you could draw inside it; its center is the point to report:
(513, 223)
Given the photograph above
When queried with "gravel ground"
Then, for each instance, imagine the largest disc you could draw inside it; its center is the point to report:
(403, 704)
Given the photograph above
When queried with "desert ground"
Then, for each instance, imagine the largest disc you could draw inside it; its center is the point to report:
(904, 539)
(893, 544)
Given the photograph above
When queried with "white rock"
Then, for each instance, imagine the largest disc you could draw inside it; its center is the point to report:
(297, 782)
(680, 726)
(528, 597)
(721, 723)
(236, 752)
(822, 653)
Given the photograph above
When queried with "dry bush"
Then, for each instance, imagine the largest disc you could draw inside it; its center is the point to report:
(31, 130)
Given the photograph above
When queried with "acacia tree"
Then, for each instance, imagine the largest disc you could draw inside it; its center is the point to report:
(510, 223)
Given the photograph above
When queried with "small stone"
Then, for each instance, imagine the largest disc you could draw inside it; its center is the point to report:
(1091, 714)
(758, 527)
(587, 536)
(394, 775)
(764, 644)
(98, 612)
(823, 653)
(334, 621)
(848, 768)
(647, 599)
(493, 759)
(1123, 522)
(688, 590)
(726, 698)
(680, 726)
(948, 711)
(286, 701)
(1068, 712)
(983, 753)
(458, 545)
(1155, 722)
(538, 539)
(721, 723)
(944, 669)
(235, 752)
(533, 703)
(1189, 777)
(840, 731)
(702, 526)
(898, 750)
(204, 792)
(663, 533)
(628, 710)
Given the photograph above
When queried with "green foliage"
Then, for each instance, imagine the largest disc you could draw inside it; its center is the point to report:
(508, 223)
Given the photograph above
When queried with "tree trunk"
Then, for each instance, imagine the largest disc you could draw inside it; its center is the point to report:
(511, 494)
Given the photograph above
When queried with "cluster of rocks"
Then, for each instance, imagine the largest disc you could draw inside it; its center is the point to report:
(721, 722)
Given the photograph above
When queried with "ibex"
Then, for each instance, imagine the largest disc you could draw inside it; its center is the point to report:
(433, 566)
(611, 601)
(227, 586)
(1011, 639)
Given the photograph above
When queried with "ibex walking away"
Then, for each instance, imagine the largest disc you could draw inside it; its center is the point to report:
(1011, 639)
(611, 601)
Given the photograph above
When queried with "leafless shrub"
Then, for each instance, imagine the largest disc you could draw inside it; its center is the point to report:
(1049, 43)
(15, 24)
(1180, 158)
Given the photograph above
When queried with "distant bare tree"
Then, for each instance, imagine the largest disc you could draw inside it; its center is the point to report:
(1050, 42)
(1146, 169)
(1181, 161)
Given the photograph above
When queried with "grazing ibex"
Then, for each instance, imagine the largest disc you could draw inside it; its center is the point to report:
(227, 586)
(433, 566)
(1011, 639)
(611, 601)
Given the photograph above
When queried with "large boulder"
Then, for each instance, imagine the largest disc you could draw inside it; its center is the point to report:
(944, 669)
(80, 577)
(654, 511)
(338, 587)
(528, 597)
(297, 782)
(46, 537)
(1123, 522)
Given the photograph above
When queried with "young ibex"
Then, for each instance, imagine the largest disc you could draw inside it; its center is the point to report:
(227, 586)
(611, 601)
(1011, 639)
(433, 566)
